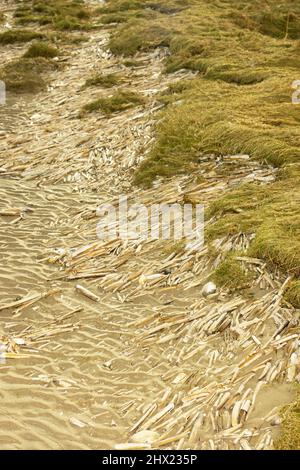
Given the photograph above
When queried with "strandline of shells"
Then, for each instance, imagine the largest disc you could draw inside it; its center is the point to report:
(94, 153)
(140, 264)
(227, 353)
(226, 349)
(221, 351)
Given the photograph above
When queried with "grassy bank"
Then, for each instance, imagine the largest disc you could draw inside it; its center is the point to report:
(62, 15)
(246, 56)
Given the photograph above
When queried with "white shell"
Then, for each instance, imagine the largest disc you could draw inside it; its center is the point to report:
(209, 288)
(77, 422)
(20, 341)
(294, 359)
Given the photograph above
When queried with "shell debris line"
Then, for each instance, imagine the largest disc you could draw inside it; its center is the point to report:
(89, 325)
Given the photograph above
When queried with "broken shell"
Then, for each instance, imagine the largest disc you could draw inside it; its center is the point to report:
(294, 359)
(20, 341)
(235, 414)
(87, 293)
(77, 422)
(179, 378)
(132, 446)
(145, 437)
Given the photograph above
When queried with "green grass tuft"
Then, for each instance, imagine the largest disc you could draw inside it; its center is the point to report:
(231, 275)
(275, 20)
(41, 49)
(292, 294)
(26, 75)
(106, 81)
(289, 437)
(134, 38)
(63, 15)
(120, 101)
(13, 36)
(133, 63)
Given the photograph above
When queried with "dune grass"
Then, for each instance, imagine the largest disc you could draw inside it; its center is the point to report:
(12, 36)
(133, 63)
(105, 81)
(120, 101)
(230, 274)
(122, 11)
(216, 117)
(41, 49)
(23, 76)
(144, 25)
(63, 15)
(27, 74)
(134, 38)
(272, 214)
(289, 437)
(241, 99)
(292, 294)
